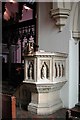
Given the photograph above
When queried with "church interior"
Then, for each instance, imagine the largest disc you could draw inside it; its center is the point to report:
(40, 52)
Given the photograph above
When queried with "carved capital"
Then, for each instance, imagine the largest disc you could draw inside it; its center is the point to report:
(76, 36)
(60, 16)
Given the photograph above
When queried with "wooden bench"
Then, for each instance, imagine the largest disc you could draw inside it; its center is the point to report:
(8, 106)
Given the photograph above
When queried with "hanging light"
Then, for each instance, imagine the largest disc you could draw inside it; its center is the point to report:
(27, 8)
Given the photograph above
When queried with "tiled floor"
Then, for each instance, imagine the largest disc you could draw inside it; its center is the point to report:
(58, 115)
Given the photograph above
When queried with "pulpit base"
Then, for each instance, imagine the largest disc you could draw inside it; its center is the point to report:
(45, 98)
(44, 110)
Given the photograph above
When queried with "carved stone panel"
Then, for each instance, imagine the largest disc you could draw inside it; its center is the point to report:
(59, 69)
(44, 69)
(30, 69)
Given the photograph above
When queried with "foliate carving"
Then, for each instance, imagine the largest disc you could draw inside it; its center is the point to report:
(44, 71)
(31, 70)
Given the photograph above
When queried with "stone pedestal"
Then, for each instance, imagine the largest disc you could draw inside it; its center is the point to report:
(45, 74)
(45, 98)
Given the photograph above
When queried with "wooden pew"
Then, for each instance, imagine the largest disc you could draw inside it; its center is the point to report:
(8, 106)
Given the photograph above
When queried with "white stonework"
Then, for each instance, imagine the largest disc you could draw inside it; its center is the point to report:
(43, 85)
(60, 12)
(50, 39)
(60, 15)
(76, 36)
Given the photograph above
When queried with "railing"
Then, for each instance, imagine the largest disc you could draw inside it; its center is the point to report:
(24, 31)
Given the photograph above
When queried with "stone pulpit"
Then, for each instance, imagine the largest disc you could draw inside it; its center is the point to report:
(45, 75)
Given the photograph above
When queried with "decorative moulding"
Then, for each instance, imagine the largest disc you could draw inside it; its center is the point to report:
(76, 36)
(60, 16)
